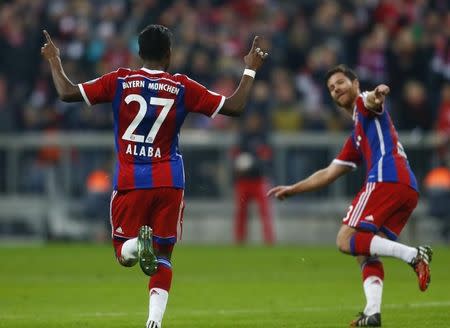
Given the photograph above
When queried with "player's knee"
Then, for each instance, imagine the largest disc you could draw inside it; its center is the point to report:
(343, 243)
(126, 262)
(343, 238)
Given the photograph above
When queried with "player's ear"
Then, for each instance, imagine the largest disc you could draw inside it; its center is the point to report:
(356, 83)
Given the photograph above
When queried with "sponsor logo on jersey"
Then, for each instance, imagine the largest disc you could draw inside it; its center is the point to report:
(369, 218)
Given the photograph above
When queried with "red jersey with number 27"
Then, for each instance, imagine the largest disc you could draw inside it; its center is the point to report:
(149, 109)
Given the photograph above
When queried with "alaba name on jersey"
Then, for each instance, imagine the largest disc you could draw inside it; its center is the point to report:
(375, 140)
(149, 107)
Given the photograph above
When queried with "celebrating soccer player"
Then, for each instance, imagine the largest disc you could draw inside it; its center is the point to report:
(149, 107)
(379, 212)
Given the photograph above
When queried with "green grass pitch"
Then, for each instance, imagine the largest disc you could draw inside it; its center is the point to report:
(77, 285)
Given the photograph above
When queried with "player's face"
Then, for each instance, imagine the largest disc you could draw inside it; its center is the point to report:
(342, 90)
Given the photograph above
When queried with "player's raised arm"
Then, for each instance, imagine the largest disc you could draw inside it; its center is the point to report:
(317, 180)
(234, 105)
(67, 91)
(375, 98)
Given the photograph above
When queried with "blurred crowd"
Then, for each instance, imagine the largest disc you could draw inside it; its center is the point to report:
(403, 43)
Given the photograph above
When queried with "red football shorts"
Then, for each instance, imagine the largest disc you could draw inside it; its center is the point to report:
(382, 206)
(160, 208)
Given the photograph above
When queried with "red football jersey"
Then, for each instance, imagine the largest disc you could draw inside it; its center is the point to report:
(149, 109)
(374, 140)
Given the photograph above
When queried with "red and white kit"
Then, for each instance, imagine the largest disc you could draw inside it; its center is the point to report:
(149, 108)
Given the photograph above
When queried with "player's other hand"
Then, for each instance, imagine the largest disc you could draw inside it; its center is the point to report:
(255, 57)
(281, 192)
(49, 50)
(380, 92)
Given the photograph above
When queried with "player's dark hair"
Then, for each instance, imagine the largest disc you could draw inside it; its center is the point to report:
(154, 42)
(348, 72)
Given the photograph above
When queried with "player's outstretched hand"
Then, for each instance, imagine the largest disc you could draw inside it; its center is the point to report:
(49, 50)
(281, 192)
(255, 57)
(381, 91)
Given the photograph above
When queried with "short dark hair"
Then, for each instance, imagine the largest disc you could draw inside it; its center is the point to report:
(348, 72)
(154, 42)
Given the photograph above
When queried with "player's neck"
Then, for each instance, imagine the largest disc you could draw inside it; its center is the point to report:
(350, 108)
(154, 65)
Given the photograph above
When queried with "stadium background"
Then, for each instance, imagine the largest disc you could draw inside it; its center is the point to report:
(56, 158)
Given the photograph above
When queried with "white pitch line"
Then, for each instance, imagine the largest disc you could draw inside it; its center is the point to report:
(229, 312)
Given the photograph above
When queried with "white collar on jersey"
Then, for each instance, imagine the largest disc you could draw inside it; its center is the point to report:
(152, 71)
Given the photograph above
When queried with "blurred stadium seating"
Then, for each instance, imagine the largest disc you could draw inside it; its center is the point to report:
(49, 148)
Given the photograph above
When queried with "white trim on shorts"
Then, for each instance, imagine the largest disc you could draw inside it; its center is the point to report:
(361, 205)
(113, 195)
(179, 223)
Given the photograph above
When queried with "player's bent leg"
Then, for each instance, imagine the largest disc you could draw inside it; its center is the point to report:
(146, 254)
(421, 266)
(343, 238)
(366, 243)
(126, 251)
(418, 258)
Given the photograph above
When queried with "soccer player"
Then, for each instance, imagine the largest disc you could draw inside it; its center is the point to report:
(381, 209)
(149, 106)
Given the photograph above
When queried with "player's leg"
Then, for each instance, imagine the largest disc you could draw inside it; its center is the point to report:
(159, 286)
(145, 251)
(368, 213)
(366, 243)
(167, 229)
(126, 251)
(360, 242)
(241, 212)
(373, 276)
(265, 212)
(126, 218)
(392, 228)
(140, 248)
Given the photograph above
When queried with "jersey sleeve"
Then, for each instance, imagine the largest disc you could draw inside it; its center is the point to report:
(199, 99)
(362, 107)
(349, 155)
(99, 90)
